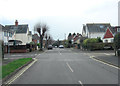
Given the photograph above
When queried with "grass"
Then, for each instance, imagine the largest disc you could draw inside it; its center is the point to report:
(12, 66)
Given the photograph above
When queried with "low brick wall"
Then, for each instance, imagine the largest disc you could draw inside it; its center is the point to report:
(19, 51)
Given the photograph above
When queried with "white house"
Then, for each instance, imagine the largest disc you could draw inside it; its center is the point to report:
(1, 32)
(22, 32)
(6, 34)
(94, 30)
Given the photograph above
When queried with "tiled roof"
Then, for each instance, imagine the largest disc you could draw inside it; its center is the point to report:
(35, 37)
(84, 29)
(18, 29)
(30, 33)
(97, 27)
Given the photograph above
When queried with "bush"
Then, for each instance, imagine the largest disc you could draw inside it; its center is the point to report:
(2, 48)
(88, 43)
(117, 44)
(38, 44)
(95, 44)
(117, 41)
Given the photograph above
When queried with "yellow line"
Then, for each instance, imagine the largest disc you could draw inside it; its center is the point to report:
(104, 63)
(20, 72)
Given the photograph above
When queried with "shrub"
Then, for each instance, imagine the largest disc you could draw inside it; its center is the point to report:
(117, 44)
(88, 43)
(95, 44)
(38, 44)
(117, 41)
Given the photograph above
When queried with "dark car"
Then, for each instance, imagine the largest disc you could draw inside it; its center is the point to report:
(50, 47)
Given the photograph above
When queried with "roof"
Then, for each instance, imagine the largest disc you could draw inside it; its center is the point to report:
(108, 34)
(18, 29)
(30, 33)
(84, 29)
(97, 27)
(35, 37)
(76, 38)
(113, 30)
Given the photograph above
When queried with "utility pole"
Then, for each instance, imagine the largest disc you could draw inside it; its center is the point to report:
(65, 40)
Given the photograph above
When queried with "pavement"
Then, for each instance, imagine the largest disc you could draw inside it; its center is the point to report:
(107, 56)
(9, 57)
(66, 66)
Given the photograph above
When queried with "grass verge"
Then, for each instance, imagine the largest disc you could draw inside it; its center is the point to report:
(12, 66)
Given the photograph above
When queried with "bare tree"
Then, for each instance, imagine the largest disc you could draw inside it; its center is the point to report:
(46, 37)
(41, 29)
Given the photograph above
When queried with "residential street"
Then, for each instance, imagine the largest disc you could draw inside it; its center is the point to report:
(67, 66)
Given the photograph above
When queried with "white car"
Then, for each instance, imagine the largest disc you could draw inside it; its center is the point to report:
(61, 46)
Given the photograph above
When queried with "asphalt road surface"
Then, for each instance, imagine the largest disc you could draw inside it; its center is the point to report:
(64, 66)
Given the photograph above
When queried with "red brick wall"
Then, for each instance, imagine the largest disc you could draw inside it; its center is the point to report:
(19, 51)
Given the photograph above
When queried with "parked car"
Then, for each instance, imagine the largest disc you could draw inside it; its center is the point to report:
(55, 46)
(50, 47)
(61, 46)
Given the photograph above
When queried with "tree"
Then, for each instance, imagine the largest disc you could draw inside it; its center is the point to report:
(74, 34)
(69, 40)
(2, 48)
(41, 29)
(46, 37)
(69, 34)
(117, 44)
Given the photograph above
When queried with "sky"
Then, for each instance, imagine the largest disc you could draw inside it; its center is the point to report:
(61, 16)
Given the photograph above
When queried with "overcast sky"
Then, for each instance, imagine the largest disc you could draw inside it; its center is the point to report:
(62, 16)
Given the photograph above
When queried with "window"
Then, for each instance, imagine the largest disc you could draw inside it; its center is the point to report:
(5, 34)
(106, 41)
(10, 34)
(118, 29)
(101, 26)
(112, 40)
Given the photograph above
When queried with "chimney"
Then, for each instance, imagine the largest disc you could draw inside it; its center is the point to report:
(16, 23)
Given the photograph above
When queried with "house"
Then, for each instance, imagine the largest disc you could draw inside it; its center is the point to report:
(35, 38)
(20, 32)
(77, 39)
(1, 32)
(110, 33)
(94, 30)
(6, 34)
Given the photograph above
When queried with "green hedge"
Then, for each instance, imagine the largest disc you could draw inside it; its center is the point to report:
(95, 44)
(117, 41)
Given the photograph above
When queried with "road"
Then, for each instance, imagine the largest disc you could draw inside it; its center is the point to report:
(65, 66)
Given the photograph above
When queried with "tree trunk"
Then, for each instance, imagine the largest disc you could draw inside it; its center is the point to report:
(41, 42)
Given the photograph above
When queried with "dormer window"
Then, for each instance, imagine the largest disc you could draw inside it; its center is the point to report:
(101, 26)
(118, 29)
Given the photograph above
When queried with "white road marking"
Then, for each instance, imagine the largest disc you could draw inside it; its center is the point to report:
(69, 67)
(20, 72)
(11, 58)
(60, 53)
(80, 83)
(16, 55)
(106, 54)
(104, 63)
